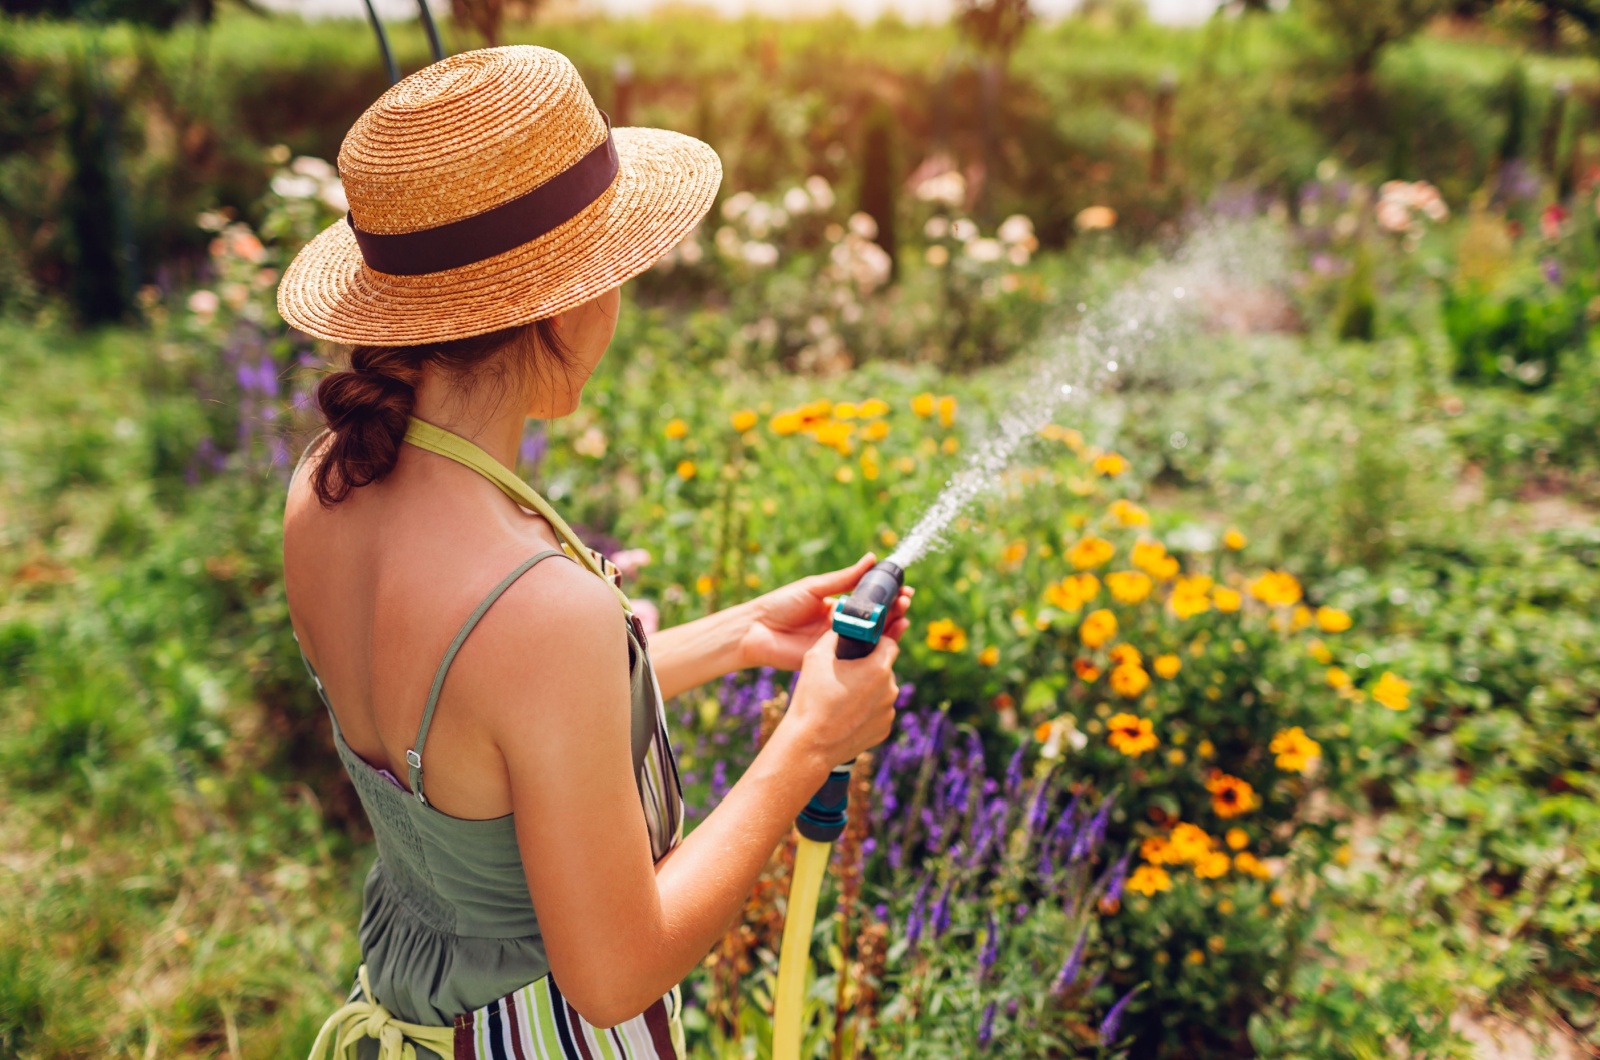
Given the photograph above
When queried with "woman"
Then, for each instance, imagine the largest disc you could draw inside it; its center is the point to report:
(521, 904)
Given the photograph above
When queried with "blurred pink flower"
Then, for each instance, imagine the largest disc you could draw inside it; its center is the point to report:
(629, 560)
(649, 617)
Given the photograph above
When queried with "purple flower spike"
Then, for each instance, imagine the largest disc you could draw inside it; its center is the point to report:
(1113, 1020)
(903, 699)
(941, 912)
(991, 948)
(1014, 773)
(1041, 805)
(1073, 964)
(1116, 877)
(986, 1026)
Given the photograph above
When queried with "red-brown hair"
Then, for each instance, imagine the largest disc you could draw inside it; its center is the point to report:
(368, 404)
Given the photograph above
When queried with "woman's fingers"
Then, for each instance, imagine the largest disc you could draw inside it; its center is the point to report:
(896, 628)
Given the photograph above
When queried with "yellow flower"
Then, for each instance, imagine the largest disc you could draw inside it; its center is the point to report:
(1177, 757)
(1110, 465)
(1212, 866)
(1319, 651)
(1227, 600)
(1090, 551)
(1126, 655)
(949, 445)
(1295, 750)
(1189, 596)
(945, 635)
(1129, 586)
(1392, 691)
(786, 423)
(1277, 588)
(1230, 796)
(888, 537)
(989, 656)
(1205, 749)
(843, 473)
(844, 410)
(1149, 556)
(1332, 620)
(1126, 513)
(870, 468)
(947, 410)
(1233, 539)
(1014, 553)
(1157, 851)
(744, 419)
(686, 469)
(834, 434)
(1168, 666)
(1251, 865)
(1302, 617)
(876, 431)
(1237, 838)
(676, 429)
(922, 405)
(1128, 681)
(874, 407)
(702, 584)
(1130, 734)
(812, 411)
(905, 464)
(1337, 678)
(1148, 879)
(1189, 842)
(1086, 670)
(1072, 592)
(1099, 627)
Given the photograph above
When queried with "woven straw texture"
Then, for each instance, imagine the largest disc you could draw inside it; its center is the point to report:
(465, 135)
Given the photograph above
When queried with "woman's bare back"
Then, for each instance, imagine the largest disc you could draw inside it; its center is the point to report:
(377, 588)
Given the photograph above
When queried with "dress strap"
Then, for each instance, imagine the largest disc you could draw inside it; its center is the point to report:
(425, 435)
(414, 753)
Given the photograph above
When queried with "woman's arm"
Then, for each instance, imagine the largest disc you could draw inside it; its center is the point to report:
(774, 629)
(619, 930)
(693, 653)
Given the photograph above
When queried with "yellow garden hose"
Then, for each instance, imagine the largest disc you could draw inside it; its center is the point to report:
(810, 865)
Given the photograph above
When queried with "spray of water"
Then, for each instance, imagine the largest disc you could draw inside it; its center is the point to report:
(1133, 326)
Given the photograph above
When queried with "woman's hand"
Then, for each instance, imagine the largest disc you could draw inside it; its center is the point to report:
(786, 622)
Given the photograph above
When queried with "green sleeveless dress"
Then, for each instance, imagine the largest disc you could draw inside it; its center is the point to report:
(454, 964)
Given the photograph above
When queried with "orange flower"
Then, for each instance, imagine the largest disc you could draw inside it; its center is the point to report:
(1072, 592)
(676, 429)
(947, 411)
(1227, 600)
(1091, 551)
(1251, 865)
(1392, 691)
(686, 469)
(1168, 666)
(1128, 586)
(1129, 680)
(1110, 465)
(945, 635)
(786, 423)
(1127, 513)
(1126, 654)
(1332, 620)
(1014, 553)
(1237, 838)
(1189, 842)
(1157, 851)
(1230, 796)
(1212, 866)
(1098, 628)
(1233, 539)
(1189, 596)
(922, 405)
(1295, 750)
(1086, 670)
(1130, 734)
(1148, 879)
(744, 419)
(1277, 588)
(989, 656)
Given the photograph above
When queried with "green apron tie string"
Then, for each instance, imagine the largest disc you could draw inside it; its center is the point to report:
(368, 1019)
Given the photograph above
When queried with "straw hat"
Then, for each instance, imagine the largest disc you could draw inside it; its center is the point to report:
(485, 191)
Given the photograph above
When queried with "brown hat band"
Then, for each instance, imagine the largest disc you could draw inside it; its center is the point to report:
(496, 230)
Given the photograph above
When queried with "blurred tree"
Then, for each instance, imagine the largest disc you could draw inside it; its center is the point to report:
(1363, 28)
(994, 26)
(879, 179)
(157, 14)
(487, 17)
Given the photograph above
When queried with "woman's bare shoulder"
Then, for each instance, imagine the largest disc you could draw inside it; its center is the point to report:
(556, 636)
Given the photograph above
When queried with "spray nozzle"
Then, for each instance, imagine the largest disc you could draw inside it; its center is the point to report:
(859, 618)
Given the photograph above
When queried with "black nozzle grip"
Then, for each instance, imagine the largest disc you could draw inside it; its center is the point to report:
(851, 648)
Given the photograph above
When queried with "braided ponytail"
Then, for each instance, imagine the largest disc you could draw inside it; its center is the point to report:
(368, 405)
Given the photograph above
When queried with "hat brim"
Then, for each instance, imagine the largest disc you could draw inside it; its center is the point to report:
(665, 183)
